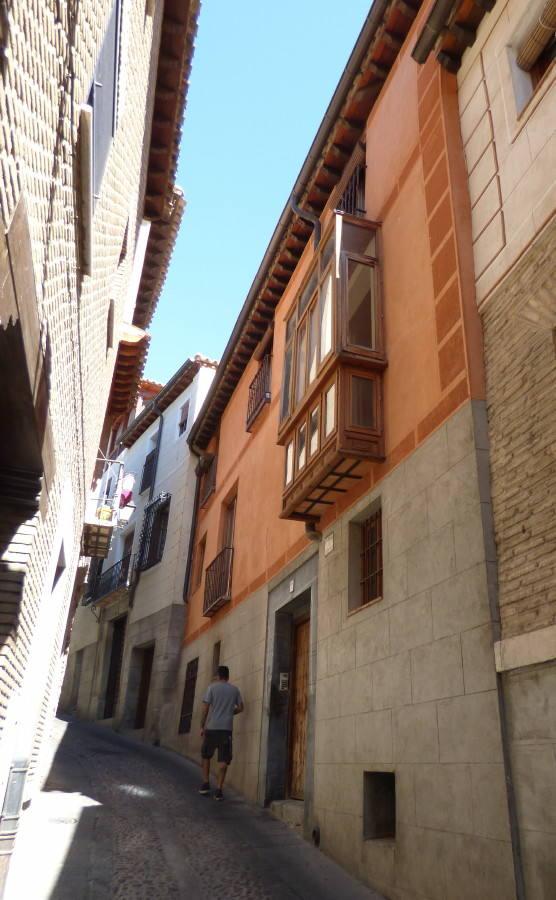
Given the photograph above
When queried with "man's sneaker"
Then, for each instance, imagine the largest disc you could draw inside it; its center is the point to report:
(205, 788)
(218, 795)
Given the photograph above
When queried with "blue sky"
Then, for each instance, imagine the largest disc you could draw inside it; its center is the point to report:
(263, 75)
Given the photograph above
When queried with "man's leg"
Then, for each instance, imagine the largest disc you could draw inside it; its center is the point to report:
(206, 770)
(222, 769)
(206, 753)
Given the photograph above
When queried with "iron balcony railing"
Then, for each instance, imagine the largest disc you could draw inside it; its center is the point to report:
(259, 392)
(148, 471)
(209, 481)
(218, 582)
(353, 198)
(117, 576)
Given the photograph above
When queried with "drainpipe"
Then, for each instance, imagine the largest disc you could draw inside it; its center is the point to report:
(434, 26)
(309, 217)
(158, 440)
(198, 475)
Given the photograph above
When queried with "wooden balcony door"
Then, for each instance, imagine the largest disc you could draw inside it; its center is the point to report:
(229, 524)
(299, 691)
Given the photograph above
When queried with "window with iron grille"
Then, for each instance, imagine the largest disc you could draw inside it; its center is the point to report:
(352, 200)
(365, 559)
(186, 714)
(153, 534)
(102, 97)
(184, 415)
(371, 558)
(148, 471)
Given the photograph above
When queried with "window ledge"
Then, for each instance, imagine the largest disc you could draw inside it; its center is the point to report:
(353, 612)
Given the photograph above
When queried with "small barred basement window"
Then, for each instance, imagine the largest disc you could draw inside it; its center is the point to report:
(379, 805)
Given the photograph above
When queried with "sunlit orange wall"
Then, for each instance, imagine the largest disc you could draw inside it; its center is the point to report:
(416, 186)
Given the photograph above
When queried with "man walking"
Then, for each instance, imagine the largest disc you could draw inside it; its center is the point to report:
(221, 703)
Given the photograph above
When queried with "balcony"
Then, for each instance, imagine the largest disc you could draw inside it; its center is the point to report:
(113, 581)
(352, 201)
(259, 392)
(331, 412)
(218, 582)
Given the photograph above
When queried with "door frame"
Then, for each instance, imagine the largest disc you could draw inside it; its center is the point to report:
(294, 590)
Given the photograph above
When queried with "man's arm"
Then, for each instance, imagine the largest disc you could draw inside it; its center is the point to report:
(239, 707)
(204, 714)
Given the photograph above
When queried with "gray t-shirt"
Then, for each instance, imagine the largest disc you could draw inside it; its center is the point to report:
(223, 697)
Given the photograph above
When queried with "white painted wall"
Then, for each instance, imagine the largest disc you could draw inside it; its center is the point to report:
(161, 585)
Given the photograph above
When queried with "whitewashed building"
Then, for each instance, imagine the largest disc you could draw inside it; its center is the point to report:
(127, 635)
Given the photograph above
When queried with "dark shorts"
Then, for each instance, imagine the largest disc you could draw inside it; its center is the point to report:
(217, 740)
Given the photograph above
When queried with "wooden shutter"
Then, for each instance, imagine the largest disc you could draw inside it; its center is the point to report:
(103, 97)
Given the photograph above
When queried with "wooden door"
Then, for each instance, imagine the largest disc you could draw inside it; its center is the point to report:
(115, 667)
(143, 697)
(299, 690)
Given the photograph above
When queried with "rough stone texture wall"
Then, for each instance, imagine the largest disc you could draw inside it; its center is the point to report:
(50, 52)
(408, 684)
(521, 398)
(242, 635)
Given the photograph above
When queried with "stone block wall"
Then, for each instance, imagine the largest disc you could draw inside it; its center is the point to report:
(242, 635)
(408, 683)
(509, 135)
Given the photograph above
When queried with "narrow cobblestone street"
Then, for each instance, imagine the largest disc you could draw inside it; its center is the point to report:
(122, 820)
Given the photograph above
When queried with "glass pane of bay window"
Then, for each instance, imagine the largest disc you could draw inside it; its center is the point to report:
(308, 292)
(326, 254)
(301, 446)
(301, 362)
(313, 342)
(356, 239)
(326, 316)
(314, 431)
(361, 304)
(329, 410)
(286, 384)
(362, 402)
(289, 462)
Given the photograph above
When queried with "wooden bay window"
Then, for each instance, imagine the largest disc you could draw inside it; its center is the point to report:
(331, 404)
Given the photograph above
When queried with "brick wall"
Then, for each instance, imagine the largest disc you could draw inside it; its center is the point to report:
(50, 52)
(521, 396)
(509, 135)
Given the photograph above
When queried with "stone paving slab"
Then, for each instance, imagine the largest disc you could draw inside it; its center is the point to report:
(120, 819)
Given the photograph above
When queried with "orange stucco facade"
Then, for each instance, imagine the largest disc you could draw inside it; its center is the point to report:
(416, 188)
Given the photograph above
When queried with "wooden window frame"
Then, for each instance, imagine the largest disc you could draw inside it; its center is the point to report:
(200, 562)
(302, 319)
(299, 320)
(182, 424)
(188, 699)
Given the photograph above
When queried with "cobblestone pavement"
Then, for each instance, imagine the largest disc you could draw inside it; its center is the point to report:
(123, 820)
